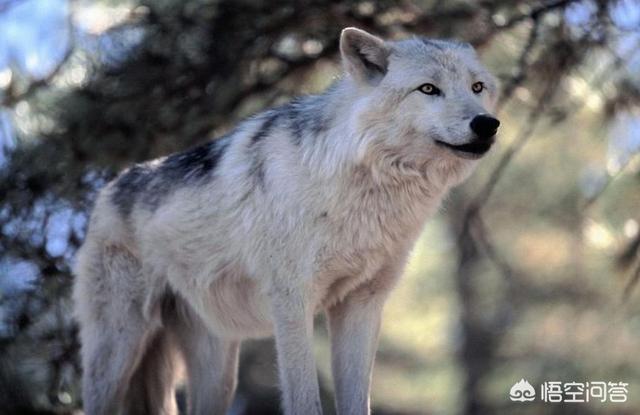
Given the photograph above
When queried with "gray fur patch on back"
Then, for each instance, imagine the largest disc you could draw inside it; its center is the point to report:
(193, 164)
(307, 117)
(302, 117)
(265, 129)
(150, 184)
(257, 162)
(129, 185)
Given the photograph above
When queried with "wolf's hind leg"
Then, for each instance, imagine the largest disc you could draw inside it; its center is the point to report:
(113, 330)
(211, 363)
(151, 389)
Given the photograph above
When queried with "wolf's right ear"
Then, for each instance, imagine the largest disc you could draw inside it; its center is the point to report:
(364, 56)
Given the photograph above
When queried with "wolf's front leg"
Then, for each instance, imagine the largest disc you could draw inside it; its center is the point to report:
(293, 324)
(354, 325)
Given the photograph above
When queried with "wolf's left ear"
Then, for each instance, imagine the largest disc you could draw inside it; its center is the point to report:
(364, 56)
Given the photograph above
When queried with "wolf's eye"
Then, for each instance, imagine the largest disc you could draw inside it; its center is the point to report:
(477, 87)
(429, 89)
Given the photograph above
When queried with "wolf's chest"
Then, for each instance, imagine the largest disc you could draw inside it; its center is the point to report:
(355, 254)
(376, 221)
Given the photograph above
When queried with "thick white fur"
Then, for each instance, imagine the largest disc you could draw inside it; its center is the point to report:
(330, 231)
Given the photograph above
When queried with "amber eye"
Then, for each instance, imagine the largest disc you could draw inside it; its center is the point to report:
(477, 87)
(429, 89)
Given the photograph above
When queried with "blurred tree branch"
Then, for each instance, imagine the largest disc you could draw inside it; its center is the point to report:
(12, 97)
(536, 12)
(522, 65)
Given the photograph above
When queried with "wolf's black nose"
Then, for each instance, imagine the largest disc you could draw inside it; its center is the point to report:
(484, 126)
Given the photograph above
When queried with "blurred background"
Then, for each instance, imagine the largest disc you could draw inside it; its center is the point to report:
(528, 271)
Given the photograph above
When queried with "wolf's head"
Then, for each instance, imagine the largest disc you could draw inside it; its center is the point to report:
(423, 98)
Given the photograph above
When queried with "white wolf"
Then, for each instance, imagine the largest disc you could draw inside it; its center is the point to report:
(309, 207)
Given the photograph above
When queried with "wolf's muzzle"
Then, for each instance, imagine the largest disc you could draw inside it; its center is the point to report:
(485, 128)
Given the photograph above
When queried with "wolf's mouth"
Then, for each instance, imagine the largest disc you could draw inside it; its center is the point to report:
(474, 149)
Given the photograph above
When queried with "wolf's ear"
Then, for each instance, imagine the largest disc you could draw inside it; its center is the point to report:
(364, 56)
